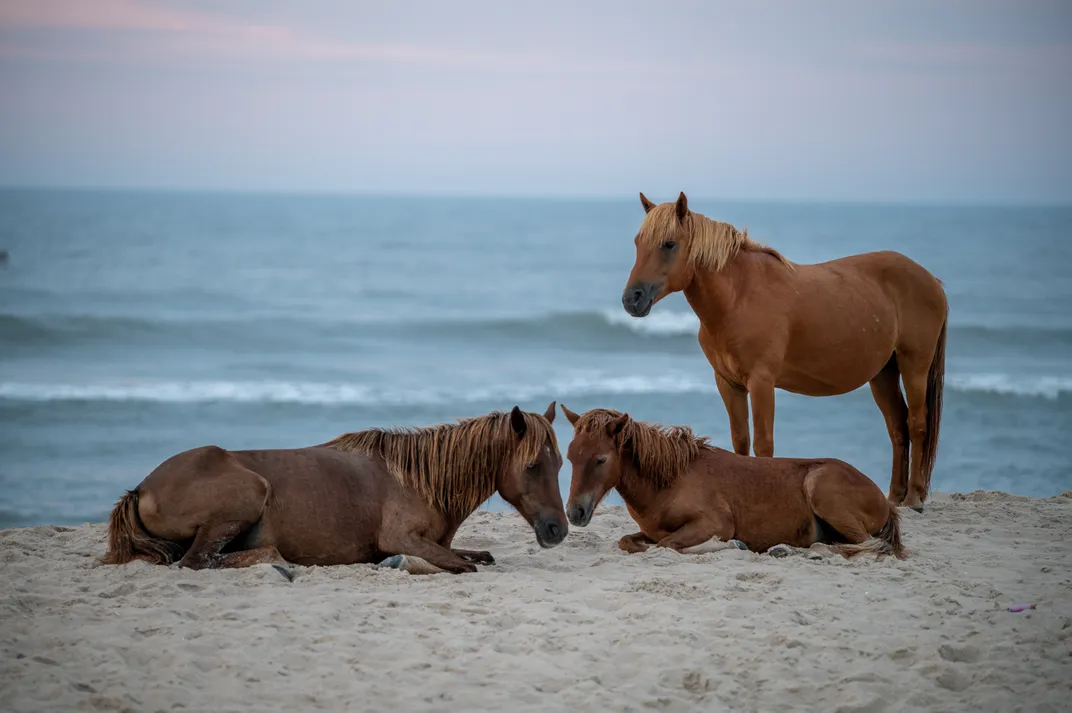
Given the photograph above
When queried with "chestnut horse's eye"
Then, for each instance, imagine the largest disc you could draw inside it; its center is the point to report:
(601, 460)
(531, 466)
(669, 245)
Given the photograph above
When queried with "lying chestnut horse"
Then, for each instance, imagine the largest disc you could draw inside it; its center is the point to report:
(692, 497)
(361, 497)
(818, 330)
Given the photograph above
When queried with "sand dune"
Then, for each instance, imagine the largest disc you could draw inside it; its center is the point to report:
(582, 627)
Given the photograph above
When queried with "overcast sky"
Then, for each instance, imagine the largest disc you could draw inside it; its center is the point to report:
(960, 100)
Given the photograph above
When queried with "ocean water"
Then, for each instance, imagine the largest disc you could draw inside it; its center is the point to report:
(137, 325)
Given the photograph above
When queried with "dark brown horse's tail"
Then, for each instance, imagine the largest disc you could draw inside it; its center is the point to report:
(935, 388)
(886, 542)
(128, 539)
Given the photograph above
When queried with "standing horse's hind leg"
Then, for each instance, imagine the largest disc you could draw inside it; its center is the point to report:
(886, 390)
(916, 391)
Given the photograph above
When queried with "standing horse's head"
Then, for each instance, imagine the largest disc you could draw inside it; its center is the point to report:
(596, 460)
(530, 484)
(662, 255)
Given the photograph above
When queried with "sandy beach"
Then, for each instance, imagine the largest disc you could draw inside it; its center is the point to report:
(581, 627)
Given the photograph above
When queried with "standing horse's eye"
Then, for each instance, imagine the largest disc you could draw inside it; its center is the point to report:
(669, 245)
(601, 460)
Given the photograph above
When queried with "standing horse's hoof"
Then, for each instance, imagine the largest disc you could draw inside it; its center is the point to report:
(739, 545)
(780, 551)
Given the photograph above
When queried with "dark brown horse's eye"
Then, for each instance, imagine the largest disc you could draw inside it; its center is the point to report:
(669, 245)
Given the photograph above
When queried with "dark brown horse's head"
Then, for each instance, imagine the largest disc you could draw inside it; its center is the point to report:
(595, 456)
(530, 484)
(662, 263)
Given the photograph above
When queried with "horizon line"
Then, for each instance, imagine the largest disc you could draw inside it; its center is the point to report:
(533, 196)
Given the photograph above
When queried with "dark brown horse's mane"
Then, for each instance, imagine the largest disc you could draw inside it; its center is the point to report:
(712, 243)
(453, 466)
(661, 453)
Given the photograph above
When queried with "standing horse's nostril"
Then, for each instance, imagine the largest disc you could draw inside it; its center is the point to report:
(638, 294)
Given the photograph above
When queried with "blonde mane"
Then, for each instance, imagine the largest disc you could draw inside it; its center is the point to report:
(454, 467)
(661, 453)
(711, 244)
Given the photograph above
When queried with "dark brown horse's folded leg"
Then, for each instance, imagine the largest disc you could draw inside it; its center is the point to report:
(435, 554)
(204, 552)
(261, 555)
(475, 556)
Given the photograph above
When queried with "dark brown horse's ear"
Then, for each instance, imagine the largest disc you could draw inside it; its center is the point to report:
(682, 206)
(517, 422)
(549, 414)
(615, 427)
(570, 416)
(648, 205)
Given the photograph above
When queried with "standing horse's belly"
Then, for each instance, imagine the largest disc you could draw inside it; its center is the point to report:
(838, 359)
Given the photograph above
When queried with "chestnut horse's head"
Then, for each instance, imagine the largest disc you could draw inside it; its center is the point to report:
(595, 456)
(530, 484)
(663, 263)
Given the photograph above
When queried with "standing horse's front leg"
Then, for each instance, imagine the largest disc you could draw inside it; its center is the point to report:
(762, 394)
(736, 400)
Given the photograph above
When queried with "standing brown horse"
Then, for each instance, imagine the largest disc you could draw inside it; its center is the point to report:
(358, 498)
(692, 497)
(818, 330)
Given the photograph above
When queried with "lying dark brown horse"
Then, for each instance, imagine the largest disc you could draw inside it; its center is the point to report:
(358, 498)
(818, 330)
(692, 497)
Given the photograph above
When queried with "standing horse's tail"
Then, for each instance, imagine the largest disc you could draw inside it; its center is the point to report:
(935, 387)
(128, 539)
(886, 542)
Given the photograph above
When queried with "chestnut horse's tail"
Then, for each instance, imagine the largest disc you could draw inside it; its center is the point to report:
(935, 387)
(128, 539)
(886, 542)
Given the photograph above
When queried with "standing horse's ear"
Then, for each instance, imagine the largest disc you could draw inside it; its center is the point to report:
(615, 427)
(570, 416)
(549, 414)
(648, 205)
(517, 422)
(682, 207)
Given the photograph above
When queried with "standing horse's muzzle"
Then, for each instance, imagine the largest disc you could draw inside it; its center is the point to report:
(637, 299)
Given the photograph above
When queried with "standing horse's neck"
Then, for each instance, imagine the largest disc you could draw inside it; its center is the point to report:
(712, 293)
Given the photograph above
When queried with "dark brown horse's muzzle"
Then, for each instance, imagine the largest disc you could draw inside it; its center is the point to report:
(638, 299)
(550, 530)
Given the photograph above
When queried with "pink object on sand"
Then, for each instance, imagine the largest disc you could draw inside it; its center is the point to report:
(1021, 607)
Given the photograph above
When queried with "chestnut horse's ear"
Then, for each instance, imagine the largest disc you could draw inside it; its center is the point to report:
(517, 422)
(615, 427)
(648, 205)
(570, 416)
(682, 207)
(549, 414)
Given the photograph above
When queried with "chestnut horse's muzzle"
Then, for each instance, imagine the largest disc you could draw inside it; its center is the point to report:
(580, 512)
(638, 299)
(550, 531)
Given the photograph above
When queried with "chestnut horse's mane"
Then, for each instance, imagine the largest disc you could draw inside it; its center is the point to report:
(661, 453)
(453, 466)
(712, 243)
